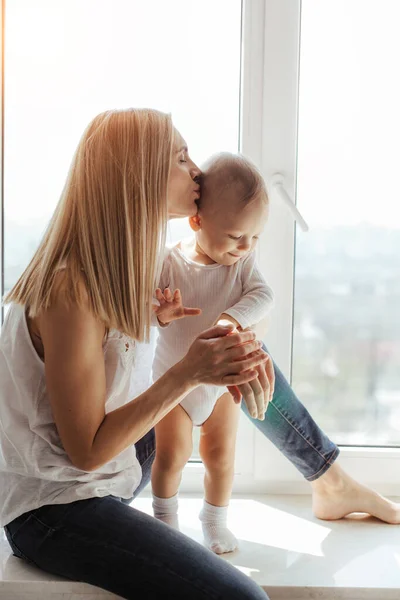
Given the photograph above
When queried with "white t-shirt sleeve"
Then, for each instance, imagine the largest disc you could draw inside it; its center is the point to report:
(257, 299)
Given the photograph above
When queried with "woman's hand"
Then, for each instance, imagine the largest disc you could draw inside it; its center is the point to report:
(221, 359)
(171, 307)
(258, 392)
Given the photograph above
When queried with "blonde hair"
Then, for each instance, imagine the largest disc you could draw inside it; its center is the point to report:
(232, 173)
(109, 224)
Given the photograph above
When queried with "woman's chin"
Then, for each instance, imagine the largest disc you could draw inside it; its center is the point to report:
(193, 210)
(182, 212)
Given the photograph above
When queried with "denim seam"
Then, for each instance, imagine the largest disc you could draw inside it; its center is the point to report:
(49, 527)
(60, 521)
(29, 560)
(301, 435)
(329, 461)
(28, 516)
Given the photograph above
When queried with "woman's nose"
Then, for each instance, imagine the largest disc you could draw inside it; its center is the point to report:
(195, 172)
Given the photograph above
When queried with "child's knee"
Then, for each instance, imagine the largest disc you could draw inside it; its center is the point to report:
(219, 458)
(174, 458)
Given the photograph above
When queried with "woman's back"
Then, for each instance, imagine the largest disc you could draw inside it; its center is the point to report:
(34, 467)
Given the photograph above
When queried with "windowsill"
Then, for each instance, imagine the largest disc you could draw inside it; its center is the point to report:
(283, 548)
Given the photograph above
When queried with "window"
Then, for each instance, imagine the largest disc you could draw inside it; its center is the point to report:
(332, 140)
(347, 289)
(322, 163)
(66, 61)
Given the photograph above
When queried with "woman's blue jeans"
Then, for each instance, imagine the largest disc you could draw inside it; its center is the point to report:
(106, 542)
(290, 427)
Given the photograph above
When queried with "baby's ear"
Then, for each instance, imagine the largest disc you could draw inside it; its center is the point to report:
(195, 222)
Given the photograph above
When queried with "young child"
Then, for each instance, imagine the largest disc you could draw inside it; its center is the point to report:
(215, 271)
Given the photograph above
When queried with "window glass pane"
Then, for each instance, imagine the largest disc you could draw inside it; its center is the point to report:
(347, 288)
(68, 60)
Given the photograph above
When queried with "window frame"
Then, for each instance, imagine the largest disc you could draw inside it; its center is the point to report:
(276, 152)
(2, 12)
(271, 31)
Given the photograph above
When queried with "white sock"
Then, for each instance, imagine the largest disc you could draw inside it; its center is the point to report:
(216, 534)
(166, 510)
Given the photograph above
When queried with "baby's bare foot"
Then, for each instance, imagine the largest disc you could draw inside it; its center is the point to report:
(336, 495)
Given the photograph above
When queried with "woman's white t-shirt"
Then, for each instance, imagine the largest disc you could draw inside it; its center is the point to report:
(34, 467)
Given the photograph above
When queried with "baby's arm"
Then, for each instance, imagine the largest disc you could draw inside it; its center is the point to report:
(257, 297)
(253, 306)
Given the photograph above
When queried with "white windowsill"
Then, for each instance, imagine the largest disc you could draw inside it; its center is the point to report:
(282, 547)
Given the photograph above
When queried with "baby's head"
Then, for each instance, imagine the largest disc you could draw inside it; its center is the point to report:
(233, 208)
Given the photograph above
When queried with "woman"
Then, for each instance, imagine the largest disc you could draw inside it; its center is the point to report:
(67, 350)
(68, 466)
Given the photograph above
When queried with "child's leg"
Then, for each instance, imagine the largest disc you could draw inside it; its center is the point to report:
(217, 450)
(174, 447)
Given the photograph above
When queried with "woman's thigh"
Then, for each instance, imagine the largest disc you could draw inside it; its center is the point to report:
(104, 542)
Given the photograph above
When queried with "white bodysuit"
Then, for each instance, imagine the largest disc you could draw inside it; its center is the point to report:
(238, 290)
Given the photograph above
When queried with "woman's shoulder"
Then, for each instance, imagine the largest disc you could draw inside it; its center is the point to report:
(69, 314)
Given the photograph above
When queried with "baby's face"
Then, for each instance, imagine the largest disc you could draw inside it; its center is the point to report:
(229, 230)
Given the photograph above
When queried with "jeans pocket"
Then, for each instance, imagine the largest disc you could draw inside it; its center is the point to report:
(52, 516)
(14, 529)
(26, 533)
(14, 526)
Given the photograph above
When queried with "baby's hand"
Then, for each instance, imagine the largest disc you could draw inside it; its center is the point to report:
(171, 307)
(227, 322)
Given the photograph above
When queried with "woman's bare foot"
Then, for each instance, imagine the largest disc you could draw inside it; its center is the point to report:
(336, 495)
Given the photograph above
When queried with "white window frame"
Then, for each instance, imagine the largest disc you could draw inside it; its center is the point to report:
(269, 125)
(2, 9)
(268, 134)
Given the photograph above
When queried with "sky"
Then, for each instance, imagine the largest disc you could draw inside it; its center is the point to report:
(68, 60)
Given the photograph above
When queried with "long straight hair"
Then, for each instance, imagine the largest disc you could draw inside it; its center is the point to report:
(109, 226)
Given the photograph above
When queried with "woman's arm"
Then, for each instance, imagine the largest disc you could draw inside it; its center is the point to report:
(76, 382)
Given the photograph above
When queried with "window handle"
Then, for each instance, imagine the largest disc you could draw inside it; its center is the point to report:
(280, 190)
